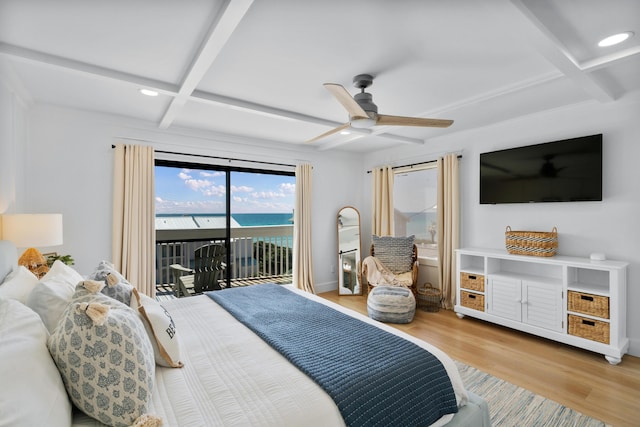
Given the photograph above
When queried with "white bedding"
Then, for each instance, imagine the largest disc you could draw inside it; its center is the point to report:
(232, 377)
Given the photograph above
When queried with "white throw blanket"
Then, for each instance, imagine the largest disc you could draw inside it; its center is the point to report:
(379, 275)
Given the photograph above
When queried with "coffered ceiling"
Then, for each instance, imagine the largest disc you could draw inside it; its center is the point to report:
(254, 69)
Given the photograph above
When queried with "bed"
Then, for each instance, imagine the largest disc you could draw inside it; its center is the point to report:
(228, 375)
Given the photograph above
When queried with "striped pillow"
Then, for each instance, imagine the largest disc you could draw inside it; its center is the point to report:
(395, 253)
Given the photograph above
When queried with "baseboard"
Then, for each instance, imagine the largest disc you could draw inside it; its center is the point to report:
(325, 287)
(634, 347)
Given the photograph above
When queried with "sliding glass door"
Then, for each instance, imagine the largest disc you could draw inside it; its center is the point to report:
(262, 223)
(249, 211)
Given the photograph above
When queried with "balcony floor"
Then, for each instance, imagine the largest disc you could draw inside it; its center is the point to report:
(165, 291)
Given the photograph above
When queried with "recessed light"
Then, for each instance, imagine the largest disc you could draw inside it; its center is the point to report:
(615, 39)
(148, 92)
(345, 132)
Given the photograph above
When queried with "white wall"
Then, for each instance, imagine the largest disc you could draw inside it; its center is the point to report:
(610, 226)
(70, 169)
(13, 113)
(61, 161)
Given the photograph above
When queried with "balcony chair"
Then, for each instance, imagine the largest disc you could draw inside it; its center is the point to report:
(206, 274)
(393, 262)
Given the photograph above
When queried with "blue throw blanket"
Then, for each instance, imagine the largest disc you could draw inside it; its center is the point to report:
(375, 378)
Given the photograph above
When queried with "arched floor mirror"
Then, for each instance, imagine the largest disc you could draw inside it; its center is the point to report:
(349, 251)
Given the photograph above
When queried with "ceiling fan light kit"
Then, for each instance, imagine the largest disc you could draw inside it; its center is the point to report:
(363, 112)
(362, 123)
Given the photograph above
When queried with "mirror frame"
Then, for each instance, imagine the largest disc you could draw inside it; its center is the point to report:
(352, 267)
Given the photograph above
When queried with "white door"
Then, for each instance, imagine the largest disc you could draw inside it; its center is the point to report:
(504, 295)
(542, 305)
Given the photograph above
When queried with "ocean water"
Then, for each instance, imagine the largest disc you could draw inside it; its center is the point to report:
(257, 219)
(418, 224)
(249, 219)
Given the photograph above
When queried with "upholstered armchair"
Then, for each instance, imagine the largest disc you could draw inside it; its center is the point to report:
(393, 262)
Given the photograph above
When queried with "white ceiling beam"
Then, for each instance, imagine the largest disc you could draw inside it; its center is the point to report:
(606, 60)
(102, 73)
(266, 110)
(83, 68)
(358, 133)
(252, 107)
(221, 29)
(557, 54)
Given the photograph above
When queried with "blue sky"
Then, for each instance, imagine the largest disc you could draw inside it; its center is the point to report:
(180, 190)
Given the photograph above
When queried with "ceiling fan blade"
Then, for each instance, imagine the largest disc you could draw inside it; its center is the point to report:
(331, 132)
(347, 101)
(385, 120)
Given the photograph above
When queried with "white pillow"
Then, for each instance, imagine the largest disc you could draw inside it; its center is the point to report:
(161, 330)
(19, 284)
(32, 392)
(106, 362)
(52, 294)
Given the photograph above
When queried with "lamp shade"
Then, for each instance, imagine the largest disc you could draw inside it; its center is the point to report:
(32, 230)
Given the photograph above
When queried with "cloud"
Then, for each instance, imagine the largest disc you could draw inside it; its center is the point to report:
(259, 196)
(241, 189)
(214, 190)
(288, 187)
(246, 205)
(198, 184)
(211, 174)
(205, 186)
(267, 195)
(181, 207)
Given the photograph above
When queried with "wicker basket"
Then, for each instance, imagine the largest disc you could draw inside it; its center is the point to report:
(590, 329)
(593, 305)
(472, 300)
(473, 282)
(428, 298)
(536, 243)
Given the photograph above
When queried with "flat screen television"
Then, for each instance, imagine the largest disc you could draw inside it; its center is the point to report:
(569, 170)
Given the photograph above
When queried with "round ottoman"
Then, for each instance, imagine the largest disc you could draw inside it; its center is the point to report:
(391, 304)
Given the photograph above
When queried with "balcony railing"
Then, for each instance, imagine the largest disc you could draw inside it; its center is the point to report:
(264, 251)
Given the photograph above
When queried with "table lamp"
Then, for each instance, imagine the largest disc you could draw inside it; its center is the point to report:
(30, 230)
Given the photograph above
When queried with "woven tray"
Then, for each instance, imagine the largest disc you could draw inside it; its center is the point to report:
(535, 243)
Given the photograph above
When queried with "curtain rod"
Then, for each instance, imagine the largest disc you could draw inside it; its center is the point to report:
(220, 158)
(416, 164)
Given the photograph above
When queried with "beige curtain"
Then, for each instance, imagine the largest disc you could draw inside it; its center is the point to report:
(448, 226)
(302, 254)
(133, 244)
(382, 209)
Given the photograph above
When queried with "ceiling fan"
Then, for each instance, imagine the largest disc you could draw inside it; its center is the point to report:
(363, 113)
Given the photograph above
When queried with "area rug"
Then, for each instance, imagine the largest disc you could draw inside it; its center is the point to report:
(511, 406)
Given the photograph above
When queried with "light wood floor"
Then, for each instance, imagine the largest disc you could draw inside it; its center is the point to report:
(576, 378)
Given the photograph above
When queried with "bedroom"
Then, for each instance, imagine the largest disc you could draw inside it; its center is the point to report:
(56, 156)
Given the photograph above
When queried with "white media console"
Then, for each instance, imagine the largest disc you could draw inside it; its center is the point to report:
(576, 301)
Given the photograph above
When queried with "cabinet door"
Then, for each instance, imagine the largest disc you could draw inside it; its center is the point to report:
(542, 305)
(505, 297)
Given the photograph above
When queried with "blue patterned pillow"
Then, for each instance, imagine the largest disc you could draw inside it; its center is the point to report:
(117, 287)
(108, 369)
(395, 253)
